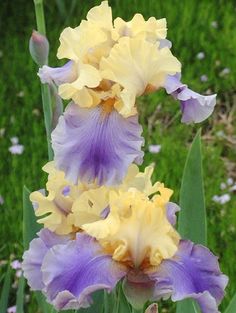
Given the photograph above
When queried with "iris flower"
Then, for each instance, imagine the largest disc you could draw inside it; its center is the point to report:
(99, 136)
(135, 243)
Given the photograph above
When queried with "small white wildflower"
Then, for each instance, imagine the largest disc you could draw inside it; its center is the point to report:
(20, 94)
(200, 55)
(203, 78)
(224, 72)
(215, 198)
(220, 133)
(214, 24)
(223, 186)
(16, 149)
(230, 181)
(154, 148)
(225, 198)
(14, 140)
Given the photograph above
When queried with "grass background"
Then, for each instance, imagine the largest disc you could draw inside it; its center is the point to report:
(190, 30)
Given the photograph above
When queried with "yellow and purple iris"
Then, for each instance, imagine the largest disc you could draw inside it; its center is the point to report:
(104, 221)
(134, 242)
(99, 136)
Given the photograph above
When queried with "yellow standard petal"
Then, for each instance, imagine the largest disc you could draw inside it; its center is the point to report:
(79, 90)
(137, 231)
(151, 30)
(139, 67)
(101, 16)
(76, 43)
(54, 208)
(91, 204)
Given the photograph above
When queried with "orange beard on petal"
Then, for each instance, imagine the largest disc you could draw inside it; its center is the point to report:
(108, 105)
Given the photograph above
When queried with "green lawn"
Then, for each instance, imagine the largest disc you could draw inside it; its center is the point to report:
(192, 29)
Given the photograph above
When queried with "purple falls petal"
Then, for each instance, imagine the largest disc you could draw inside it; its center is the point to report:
(91, 145)
(192, 273)
(33, 258)
(58, 75)
(171, 210)
(72, 272)
(195, 107)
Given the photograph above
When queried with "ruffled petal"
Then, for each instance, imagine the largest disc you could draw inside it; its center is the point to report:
(54, 208)
(75, 43)
(150, 30)
(33, 258)
(101, 16)
(192, 273)
(146, 65)
(74, 271)
(59, 75)
(92, 145)
(136, 230)
(195, 107)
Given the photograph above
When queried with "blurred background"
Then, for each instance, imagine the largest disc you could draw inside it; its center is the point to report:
(204, 40)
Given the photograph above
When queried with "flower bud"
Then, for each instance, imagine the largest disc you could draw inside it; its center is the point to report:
(39, 48)
(153, 308)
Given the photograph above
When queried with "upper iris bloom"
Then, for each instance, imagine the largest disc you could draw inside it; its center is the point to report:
(135, 243)
(99, 136)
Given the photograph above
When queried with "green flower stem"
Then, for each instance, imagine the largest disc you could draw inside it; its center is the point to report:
(38, 4)
(47, 111)
(46, 96)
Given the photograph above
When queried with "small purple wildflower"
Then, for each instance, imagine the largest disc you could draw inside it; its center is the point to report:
(222, 199)
(154, 148)
(12, 309)
(16, 264)
(16, 149)
(204, 78)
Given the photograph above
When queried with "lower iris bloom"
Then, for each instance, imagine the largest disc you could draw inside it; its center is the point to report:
(135, 243)
(64, 207)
